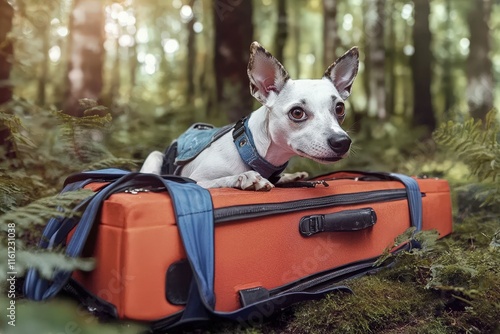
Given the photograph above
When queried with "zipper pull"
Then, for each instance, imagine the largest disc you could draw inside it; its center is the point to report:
(320, 182)
(135, 191)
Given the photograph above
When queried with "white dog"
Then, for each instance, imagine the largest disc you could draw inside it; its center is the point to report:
(297, 117)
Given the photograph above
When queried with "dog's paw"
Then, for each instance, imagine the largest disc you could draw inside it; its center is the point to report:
(252, 180)
(292, 177)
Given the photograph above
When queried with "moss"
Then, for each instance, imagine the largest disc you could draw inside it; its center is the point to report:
(377, 304)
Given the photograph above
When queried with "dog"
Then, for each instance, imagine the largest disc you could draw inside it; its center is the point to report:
(297, 118)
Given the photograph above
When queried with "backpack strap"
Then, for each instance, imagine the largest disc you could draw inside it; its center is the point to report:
(414, 199)
(57, 230)
(195, 220)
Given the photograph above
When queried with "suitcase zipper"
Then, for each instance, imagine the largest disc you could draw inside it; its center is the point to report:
(241, 212)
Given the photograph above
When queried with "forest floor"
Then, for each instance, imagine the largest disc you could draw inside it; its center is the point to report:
(450, 285)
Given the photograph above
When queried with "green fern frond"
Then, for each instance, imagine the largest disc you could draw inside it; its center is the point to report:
(77, 133)
(46, 262)
(114, 163)
(18, 132)
(39, 211)
(477, 146)
(17, 188)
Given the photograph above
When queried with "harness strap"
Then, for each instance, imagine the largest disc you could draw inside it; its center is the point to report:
(174, 157)
(245, 145)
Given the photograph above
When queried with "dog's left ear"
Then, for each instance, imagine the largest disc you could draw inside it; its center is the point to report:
(343, 72)
(266, 74)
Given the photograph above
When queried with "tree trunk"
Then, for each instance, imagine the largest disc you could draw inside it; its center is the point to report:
(281, 31)
(296, 36)
(86, 54)
(374, 18)
(423, 112)
(331, 39)
(114, 86)
(191, 57)
(6, 55)
(479, 66)
(6, 50)
(448, 86)
(233, 36)
(391, 66)
(42, 24)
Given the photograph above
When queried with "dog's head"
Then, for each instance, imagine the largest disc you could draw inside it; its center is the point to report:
(304, 115)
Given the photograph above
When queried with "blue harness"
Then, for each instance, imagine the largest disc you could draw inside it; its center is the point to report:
(200, 136)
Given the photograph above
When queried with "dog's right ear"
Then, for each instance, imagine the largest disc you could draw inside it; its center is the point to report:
(266, 74)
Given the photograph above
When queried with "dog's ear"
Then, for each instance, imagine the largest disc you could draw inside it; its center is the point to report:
(266, 74)
(343, 72)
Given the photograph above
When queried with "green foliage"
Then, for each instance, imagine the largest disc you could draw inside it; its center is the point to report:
(477, 145)
(37, 212)
(60, 316)
(49, 145)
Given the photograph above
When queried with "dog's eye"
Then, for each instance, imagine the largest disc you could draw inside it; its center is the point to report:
(340, 110)
(297, 114)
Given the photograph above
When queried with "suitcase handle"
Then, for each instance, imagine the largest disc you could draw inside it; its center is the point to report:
(343, 221)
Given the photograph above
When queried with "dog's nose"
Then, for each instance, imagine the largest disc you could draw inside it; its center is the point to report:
(340, 143)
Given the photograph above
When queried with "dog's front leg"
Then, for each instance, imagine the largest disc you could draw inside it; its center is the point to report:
(250, 180)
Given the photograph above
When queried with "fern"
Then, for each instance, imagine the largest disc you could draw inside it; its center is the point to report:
(45, 262)
(477, 146)
(76, 132)
(113, 162)
(39, 211)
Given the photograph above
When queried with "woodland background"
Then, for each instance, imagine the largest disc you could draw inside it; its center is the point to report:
(87, 84)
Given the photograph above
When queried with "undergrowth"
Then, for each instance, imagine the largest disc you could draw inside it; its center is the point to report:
(450, 285)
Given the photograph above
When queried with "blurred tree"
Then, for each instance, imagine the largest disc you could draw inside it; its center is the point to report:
(374, 20)
(390, 54)
(86, 54)
(6, 50)
(40, 16)
(479, 67)
(115, 80)
(296, 19)
(331, 39)
(6, 57)
(448, 85)
(233, 36)
(191, 56)
(281, 30)
(423, 111)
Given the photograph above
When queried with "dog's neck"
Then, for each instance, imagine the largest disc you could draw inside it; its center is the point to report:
(267, 148)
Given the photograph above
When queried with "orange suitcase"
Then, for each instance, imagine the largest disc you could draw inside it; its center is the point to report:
(268, 249)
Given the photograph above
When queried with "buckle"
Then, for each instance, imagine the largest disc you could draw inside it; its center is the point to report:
(239, 128)
(312, 224)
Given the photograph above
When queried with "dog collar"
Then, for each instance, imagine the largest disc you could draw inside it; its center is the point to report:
(245, 145)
